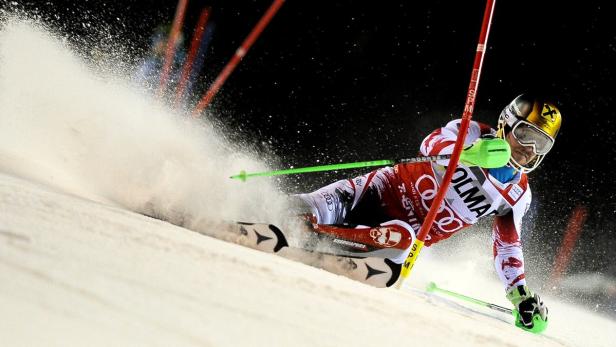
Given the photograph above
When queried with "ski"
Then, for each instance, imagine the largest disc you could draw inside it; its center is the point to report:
(350, 258)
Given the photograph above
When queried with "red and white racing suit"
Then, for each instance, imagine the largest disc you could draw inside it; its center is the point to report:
(405, 192)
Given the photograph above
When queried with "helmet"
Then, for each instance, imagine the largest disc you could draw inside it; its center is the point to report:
(532, 122)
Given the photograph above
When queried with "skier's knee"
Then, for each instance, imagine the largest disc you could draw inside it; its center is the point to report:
(404, 236)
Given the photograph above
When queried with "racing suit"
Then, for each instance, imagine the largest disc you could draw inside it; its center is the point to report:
(405, 192)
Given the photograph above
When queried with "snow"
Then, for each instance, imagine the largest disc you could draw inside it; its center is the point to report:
(79, 272)
(84, 155)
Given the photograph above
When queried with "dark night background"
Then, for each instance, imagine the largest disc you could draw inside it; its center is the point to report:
(352, 81)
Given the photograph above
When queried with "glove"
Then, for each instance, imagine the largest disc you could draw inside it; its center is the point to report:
(532, 314)
(486, 153)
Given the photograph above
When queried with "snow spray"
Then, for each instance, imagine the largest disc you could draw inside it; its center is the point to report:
(98, 135)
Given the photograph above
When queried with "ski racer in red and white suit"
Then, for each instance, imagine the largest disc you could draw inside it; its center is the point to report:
(404, 193)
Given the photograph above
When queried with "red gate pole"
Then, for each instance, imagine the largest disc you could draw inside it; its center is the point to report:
(239, 54)
(572, 234)
(178, 20)
(192, 52)
(455, 156)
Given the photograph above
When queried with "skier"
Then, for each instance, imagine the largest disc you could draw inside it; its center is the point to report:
(402, 195)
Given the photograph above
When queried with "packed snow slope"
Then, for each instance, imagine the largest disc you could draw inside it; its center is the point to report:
(77, 272)
(84, 154)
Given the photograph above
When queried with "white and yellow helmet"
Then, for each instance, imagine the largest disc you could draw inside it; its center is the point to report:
(533, 122)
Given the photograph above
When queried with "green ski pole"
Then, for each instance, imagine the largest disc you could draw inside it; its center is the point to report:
(243, 175)
(539, 325)
(487, 154)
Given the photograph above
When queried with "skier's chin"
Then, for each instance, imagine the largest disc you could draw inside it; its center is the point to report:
(522, 158)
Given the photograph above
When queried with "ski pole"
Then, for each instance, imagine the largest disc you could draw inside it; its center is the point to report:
(343, 166)
(488, 154)
(539, 325)
(432, 287)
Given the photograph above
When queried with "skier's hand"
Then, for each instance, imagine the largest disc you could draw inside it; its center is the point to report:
(530, 307)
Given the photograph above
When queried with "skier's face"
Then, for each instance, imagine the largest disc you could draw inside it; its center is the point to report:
(520, 153)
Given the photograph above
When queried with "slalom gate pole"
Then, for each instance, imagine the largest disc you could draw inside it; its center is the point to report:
(178, 20)
(455, 156)
(572, 235)
(192, 52)
(432, 287)
(239, 54)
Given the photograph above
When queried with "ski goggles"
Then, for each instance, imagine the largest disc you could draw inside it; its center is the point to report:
(528, 134)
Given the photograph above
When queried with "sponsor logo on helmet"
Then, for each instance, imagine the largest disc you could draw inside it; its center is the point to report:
(549, 112)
